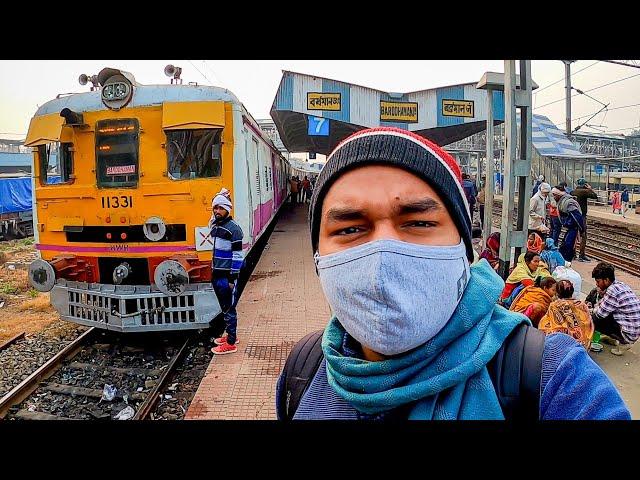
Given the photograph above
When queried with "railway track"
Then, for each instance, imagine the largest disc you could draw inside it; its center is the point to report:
(94, 379)
(615, 245)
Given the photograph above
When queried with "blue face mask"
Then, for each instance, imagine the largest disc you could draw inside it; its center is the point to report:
(393, 296)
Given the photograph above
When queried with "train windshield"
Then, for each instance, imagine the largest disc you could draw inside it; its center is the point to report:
(194, 153)
(117, 152)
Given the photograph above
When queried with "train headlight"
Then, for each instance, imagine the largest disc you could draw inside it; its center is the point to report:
(117, 89)
(171, 278)
(154, 229)
(42, 276)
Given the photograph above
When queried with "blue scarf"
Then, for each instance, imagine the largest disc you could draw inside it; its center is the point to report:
(446, 377)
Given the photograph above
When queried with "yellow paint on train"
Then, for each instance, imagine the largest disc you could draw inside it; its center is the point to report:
(81, 203)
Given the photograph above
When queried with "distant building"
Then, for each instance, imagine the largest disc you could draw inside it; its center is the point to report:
(269, 127)
(15, 162)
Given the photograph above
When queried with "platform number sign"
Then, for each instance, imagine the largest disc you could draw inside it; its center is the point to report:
(318, 127)
(599, 169)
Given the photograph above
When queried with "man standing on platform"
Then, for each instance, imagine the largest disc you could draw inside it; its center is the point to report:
(625, 200)
(470, 191)
(538, 211)
(226, 263)
(582, 194)
(571, 218)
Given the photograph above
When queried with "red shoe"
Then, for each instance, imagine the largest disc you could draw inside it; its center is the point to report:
(224, 349)
(223, 340)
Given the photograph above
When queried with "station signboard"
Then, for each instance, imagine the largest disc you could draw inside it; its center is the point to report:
(324, 101)
(457, 108)
(405, 112)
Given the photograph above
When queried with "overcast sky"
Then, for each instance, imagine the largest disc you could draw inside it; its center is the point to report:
(24, 85)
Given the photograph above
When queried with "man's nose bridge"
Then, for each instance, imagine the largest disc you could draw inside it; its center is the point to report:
(385, 230)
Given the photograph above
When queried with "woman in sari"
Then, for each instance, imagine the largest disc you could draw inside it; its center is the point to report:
(616, 202)
(490, 253)
(523, 274)
(552, 257)
(534, 300)
(568, 316)
(534, 242)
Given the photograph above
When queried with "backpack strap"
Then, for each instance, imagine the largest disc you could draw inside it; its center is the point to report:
(516, 371)
(299, 369)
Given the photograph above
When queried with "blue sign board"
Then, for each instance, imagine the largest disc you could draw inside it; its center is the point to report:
(318, 126)
(599, 169)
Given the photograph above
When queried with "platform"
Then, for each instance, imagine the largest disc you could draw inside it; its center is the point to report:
(281, 303)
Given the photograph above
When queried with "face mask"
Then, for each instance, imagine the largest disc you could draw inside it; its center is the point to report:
(393, 296)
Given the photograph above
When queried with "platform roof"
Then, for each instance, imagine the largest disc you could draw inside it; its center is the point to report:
(313, 114)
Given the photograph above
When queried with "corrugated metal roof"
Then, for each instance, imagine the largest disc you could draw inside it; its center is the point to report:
(550, 141)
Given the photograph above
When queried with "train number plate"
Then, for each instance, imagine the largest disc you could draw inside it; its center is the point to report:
(122, 201)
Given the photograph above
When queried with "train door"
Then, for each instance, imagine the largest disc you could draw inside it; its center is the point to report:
(253, 166)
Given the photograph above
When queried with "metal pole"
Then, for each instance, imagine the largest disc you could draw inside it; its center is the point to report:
(567, 83)
(517, 170)
(489, 172)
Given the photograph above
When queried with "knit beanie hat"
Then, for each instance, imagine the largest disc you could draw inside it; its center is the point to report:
(222, 201)
(403, 149)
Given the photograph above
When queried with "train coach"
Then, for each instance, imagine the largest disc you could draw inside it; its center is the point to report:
(123, 236)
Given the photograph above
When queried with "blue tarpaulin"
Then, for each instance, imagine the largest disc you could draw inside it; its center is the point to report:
(15, 195)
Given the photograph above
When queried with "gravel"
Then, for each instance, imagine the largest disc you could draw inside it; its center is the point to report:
(22, 358)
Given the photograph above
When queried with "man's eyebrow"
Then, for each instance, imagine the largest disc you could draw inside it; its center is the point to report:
(341, 214)
(422, 205)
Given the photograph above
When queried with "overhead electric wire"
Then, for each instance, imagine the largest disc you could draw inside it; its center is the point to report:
(557, 81)
(194, 66)
(606, 111)
(590, 90)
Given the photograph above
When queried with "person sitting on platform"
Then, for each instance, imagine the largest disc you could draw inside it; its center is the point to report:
(534, 300)
(492, 250)
(523, 275)
(551, 256)
(415, 327)
(534, 242)
(617, 315)
(569, 316)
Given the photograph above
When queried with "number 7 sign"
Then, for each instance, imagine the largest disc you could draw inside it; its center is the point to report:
(318, 126)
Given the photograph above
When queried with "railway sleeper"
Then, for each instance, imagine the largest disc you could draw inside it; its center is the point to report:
(147, 372)
(28, 415)
(87, 392)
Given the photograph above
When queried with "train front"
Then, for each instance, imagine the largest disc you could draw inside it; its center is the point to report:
(123, 180)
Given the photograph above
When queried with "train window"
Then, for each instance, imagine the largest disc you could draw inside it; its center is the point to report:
(55, 163)
(117, 152)
(194, 153)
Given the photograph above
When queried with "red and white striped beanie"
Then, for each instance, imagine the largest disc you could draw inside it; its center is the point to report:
(400, 148)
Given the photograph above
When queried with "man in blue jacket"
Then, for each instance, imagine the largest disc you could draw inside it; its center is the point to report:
(226, 263)
(414, 324)
(625, 200)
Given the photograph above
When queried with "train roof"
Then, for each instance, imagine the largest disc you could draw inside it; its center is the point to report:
(143, 95)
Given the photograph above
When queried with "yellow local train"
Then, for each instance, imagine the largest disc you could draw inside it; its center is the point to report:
(123, 235)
